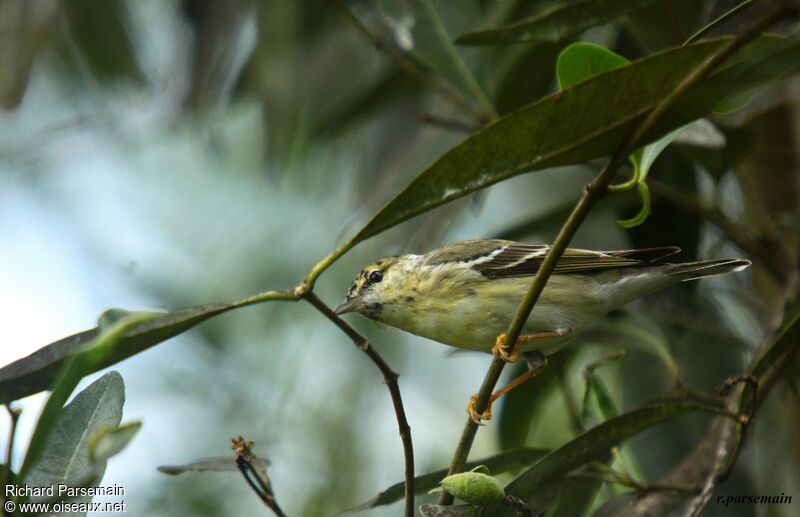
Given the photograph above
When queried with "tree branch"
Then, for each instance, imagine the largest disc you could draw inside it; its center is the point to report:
(390, 378)
(593, 192)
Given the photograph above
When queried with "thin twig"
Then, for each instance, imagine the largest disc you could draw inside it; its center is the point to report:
(518, 505)
(592, 194)
(448, 123)
(261, 486)
(410, 66)
(390, 378)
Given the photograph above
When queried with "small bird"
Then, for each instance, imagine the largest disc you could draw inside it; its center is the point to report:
(465, 294)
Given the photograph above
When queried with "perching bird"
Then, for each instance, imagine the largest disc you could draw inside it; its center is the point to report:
(465, 294)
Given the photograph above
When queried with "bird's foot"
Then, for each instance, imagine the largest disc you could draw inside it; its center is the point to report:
(476, 417)
(500, 349)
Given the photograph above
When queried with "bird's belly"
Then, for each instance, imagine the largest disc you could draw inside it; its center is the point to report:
(477, 328)
(472, 317)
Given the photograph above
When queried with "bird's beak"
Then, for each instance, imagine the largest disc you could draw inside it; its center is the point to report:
(349, 305)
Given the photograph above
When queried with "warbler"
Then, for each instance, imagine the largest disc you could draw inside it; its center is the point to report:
(465, 294)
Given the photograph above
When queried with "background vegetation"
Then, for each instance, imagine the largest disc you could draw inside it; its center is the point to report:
(183, 154)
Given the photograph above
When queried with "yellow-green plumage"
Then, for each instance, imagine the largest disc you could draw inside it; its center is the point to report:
(465, 294)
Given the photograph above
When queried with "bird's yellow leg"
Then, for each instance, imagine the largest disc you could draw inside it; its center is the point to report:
(500, 348)
(487, 413)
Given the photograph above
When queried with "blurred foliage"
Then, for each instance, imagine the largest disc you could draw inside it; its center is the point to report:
(205, 150)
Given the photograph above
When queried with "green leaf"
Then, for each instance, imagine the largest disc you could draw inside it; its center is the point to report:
(589, 120)
(110, 441)
(556, 23)
(583, 60)
(720, 20)
(596, 442)
(37, 371)
(431, 44)
(64, 457)
(521, 406)
(580, 61)
(577, 496)
(649, 341)
(787, 339)
(422, 484)
(70, 375)
(596, 387)
(216, 464)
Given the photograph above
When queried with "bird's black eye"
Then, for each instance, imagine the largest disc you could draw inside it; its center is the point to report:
(375, 277)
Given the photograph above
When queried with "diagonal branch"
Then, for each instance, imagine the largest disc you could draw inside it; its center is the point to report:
(593, 192)
(390, 378)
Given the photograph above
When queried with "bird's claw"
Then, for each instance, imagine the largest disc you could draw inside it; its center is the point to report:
(474, 415)
(500, 349)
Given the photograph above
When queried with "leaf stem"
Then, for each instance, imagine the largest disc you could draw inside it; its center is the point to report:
(390, 378)
(593, 192)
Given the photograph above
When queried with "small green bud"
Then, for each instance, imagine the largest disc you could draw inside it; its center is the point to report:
(474, 488)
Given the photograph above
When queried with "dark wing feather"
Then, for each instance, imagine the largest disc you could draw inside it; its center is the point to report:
(497, 259)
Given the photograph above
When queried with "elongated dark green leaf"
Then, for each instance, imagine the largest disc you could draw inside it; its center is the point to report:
(216, 464)
(430, 43)
(577, 496)
(422, 484)
(74, 369)
(788, 338)
(36, 372)
(587, 121)
(521, 407)
(556, 23)
(596, 442)
(65, 457)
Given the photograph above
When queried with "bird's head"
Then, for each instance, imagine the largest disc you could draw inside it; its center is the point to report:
(376, 285)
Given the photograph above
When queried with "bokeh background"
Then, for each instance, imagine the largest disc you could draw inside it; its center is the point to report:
(166, 154)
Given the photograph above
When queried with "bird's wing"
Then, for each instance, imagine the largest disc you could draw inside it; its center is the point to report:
(497, 258)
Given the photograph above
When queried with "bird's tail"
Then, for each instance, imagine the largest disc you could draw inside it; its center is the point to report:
(695, 270)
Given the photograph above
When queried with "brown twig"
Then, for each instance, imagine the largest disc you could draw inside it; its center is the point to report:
(592, 194)
(518, 505)
(390, 378)
(261, 486)
(448, 123)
